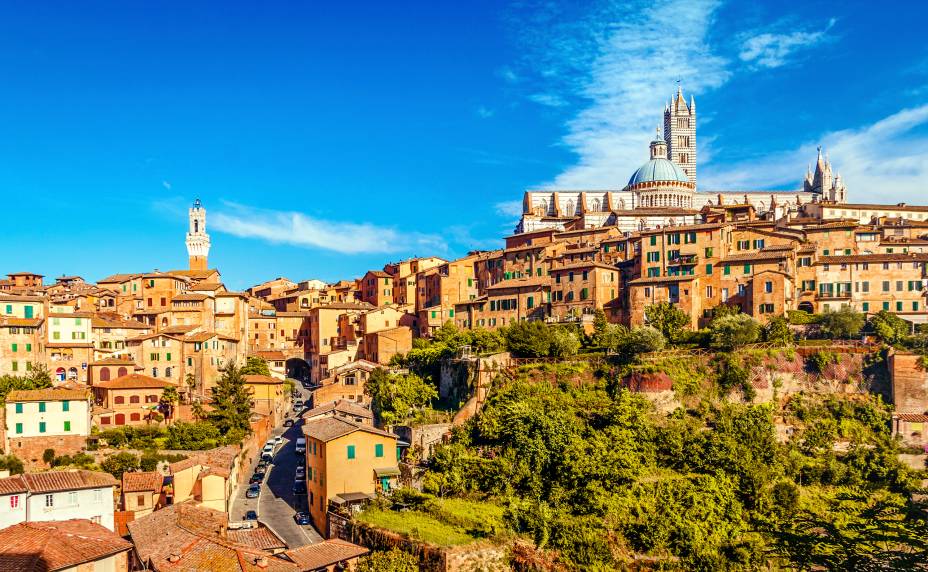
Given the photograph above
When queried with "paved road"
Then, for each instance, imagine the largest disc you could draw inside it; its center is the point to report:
(277, 504)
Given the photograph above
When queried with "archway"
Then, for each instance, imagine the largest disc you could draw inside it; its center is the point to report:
(121, 372)
(806, 307)
(72, 373)
(60, 374)
(297, 368)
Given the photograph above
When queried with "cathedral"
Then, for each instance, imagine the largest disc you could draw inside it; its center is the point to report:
(663, 191)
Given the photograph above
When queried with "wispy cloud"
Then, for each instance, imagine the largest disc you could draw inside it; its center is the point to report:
(548, 99)
(298, 229)
(512, 209)
(166, 185)
(772, 50)
(484, 112)
(881, 162)
(622, 60)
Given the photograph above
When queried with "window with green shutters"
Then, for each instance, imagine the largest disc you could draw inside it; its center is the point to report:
(169, 356)
(15, 346)
(19, 428)
(56, 335)
(726, 270)
(886, 306)
(28, 310)
(898, 306)
(15, 365)
(41, 407)
(434, 314)
(19, 408)
(470, 282)
(709, 252)
(915, 306)
(708, 270)
(77, 321)
(378, 450)
(584, 294)
(866, 306)
(530, 302)
(450, 313)
(151, 283)
(747, 268)
(653, 240)
(41, 427)
(66, 406)
(190, 361)
(67, 425)
(28, 347)
(351, 451)
(9, 308)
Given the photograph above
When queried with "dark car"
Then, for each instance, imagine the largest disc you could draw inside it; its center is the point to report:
(258, 477)
(302, 518)
(299, 488)
(261, 467)
(253, 492)
(300, 461)
(288, 422)
(251, 515)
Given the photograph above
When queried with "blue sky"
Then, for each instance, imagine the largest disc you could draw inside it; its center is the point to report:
(328, 138)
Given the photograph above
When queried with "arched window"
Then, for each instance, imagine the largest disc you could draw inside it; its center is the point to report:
(134, 399)
(543, 207)
(597, 206)
(570, 208)
(135, 417)
(120, 419)
(151, 399)
(104, 374)
(119, 400)
(122, 371)
(196, 226)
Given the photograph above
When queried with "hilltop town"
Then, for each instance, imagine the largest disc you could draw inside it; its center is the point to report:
(756, 352)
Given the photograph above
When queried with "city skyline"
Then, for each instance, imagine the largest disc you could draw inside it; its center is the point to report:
(339, 144)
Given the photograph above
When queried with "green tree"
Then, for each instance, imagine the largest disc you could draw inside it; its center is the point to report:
(628, 344)
(120, 463)
(231, 405)
(48, 456)
(733, 331)
(564, 343)
(669, 320)
(37, 378)
(256, 366)
(843, 323)
(187, 436)
(394, 397)
(528, 339)
(169, 397)
(889, 327)
(600, 329)
(777, 331)
(393, 560)
(12, 464)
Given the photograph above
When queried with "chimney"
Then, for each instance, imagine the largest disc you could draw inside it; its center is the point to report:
(261, 562)
(174, 558)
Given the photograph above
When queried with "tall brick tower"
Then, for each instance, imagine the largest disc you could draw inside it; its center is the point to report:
(197, 239)
(680, 133)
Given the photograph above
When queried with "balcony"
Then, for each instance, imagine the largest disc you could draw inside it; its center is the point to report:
(842, 295)
(683, 260)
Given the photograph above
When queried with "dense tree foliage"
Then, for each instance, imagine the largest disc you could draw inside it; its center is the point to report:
(777, 331)
(231, 405)
(37, 378)
(843, 323)
(596, 475)
(195, 436)
(394, 560)
(119, 463)
(733, 331)
(669, 320)
(394, 397)
(889, 327)
(256, 366)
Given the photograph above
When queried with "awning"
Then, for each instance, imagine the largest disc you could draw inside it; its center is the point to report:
(387, 472)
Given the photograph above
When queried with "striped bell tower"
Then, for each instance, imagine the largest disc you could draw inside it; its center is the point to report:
(197, 239)
(680, 133)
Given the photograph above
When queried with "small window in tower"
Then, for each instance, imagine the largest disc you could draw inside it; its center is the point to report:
(196, 226)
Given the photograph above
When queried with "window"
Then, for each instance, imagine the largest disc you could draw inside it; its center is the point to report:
(98, 495)
(140, 500)
(66, 406)
(41, 407)
(709, 252)
(866, 306)
(351, 451)
(378, 450)
(19, 428)
(653, 240)
(41, 427)
(886, 306)
(72, 498)
(49, 500)
(19, 408)
(747, 268)
(768, 287)
(14, 347)
(885, 285)
(14, 501)
(726, 270)
(67, 425)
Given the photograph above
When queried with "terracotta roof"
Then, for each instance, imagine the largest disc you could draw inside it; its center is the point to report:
(69, 345)
(262, 379)
(118, 278)
(140, 482)
(897, 207)
(178, 329)
(340, 406)
(6, 321)
(261, 538)
(218, 460)
(756, 256)
(358, 363)
(586, 264)
(114, 361)
(347, 306)
(879, 257)
(207, 286)
(661, 279)
(330, 428)
(71, 480)
(912, 417)
(13, 485)
(133, 381)
(49, 546)
(49, 394)
(109, 321)
(272, 355)
(200, 337)
(189, 298)
(325, 553)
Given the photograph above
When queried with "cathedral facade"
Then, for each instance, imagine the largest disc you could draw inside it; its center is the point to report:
(663, 191)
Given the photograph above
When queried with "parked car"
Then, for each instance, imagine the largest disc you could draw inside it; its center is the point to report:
(288, 422)
(267, 457)
(278, 439)
(302, 518)
(258, 477)
(299, 487)
(253, 491)
(300, 472)
(251, 515)
(298, 404)
(261, 466)
(300, 461)
(300, 445)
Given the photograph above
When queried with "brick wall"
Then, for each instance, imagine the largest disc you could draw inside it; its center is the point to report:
(30, 449)
(909, 383)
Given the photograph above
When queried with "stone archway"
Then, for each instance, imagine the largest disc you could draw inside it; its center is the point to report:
(297, 368)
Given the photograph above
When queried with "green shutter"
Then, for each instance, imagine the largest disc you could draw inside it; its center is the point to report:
(351, 451)
(708, 270)
(19, 428)
(378, 450)
(67, 425)
(28, 312)
(66, 406)
(19, 408)
(41, 427)
(41, 407)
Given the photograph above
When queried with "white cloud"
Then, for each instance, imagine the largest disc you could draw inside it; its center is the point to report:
(885, 162)
(509, 209)
(623, 60)
(484, 112)
(166, 185)
(548, 99)
(298, 229)
(772, 50)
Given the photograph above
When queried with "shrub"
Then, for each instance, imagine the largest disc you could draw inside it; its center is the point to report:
(119, 463)
(889, 327)
(528, 339)
(564, 343)
(777, 331)
(669, 320)
(48, 456)
(800, 318)
(844, 323)
(732, 331)
(820, 361)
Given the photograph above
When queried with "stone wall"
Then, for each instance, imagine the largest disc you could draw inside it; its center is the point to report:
(460, 377)
(909, 383)
(422, 439)
(30, 449)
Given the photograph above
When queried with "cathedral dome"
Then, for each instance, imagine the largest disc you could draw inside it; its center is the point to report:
(658, 169)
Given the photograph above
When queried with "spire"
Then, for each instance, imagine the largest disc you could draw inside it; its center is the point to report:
(692, 103)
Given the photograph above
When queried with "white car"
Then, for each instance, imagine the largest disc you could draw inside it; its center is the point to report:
(300, 473)
(278, 439)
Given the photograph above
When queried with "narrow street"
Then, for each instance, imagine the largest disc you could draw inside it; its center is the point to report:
(277, 504)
